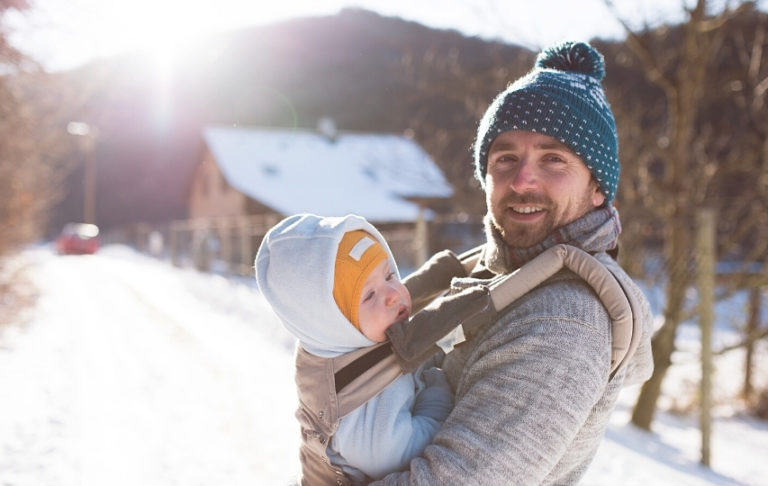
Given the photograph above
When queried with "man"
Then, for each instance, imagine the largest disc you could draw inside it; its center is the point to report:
(533, 389)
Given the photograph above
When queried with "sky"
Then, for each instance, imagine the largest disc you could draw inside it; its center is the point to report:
(63, 35)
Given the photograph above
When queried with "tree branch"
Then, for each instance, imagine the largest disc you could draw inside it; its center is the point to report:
(751, 339)
(654, 72)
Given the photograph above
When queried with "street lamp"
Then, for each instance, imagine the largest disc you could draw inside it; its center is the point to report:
(81, 129)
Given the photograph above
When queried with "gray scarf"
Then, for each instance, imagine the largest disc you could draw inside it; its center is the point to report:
(596, 231)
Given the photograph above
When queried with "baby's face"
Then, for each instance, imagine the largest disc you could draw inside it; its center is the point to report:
(383, 301)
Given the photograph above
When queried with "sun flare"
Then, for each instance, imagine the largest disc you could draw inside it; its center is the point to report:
(165, 24)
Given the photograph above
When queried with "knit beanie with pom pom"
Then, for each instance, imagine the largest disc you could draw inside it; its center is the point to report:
(562, 97)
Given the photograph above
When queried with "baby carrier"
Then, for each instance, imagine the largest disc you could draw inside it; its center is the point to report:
(330, 388)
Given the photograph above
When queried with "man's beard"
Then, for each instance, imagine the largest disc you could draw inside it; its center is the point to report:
(521, 235)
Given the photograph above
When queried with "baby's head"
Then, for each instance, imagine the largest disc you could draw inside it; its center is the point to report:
(332, 281)
(367, 291)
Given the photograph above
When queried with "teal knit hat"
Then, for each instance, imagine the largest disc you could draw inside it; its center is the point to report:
(561, 97)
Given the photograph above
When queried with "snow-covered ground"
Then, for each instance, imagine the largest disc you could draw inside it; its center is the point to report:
(130, 371)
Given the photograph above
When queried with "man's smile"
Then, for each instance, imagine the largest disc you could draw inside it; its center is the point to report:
(526, 209)
(525, 213)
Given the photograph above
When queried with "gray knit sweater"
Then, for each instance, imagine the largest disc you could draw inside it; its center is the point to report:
(533, 394)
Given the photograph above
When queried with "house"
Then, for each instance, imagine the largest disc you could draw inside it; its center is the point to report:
(389, 179)
(384, 177)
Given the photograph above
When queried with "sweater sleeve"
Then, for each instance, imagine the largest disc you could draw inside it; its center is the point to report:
(394, 427)
(523, 397)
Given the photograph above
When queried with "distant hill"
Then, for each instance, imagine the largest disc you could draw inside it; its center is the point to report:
(366, 71)
(383, 74)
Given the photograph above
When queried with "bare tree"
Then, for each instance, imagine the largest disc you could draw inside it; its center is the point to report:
(31, 170)
(674, 176)
(447, 129)
(30, 140)
(749, 88)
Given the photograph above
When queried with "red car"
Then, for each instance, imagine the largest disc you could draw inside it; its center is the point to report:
(78, 238)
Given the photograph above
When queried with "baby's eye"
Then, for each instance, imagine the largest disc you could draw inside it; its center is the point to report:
(368, 296)
(390, 276)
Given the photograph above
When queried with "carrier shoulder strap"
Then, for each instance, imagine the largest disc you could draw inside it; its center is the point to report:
(621, 305)
(476, 306)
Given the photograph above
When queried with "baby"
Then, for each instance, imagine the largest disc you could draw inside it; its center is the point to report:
(334, 284)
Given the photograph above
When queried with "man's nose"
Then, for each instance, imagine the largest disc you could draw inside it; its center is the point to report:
(526, 178)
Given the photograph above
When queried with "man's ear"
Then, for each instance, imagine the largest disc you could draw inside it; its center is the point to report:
(598, 198)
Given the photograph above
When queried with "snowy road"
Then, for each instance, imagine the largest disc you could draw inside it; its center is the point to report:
(131, 376)
(133, 372)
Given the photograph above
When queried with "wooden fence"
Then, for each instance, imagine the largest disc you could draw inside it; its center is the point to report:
(229, 244)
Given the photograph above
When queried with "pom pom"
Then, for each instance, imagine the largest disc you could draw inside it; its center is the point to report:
(577, 57)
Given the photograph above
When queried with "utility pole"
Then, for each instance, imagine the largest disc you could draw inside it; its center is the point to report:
(705, 249)
(81, 129)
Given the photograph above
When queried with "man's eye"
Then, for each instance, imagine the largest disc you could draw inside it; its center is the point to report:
(503, 161)
(554, 158)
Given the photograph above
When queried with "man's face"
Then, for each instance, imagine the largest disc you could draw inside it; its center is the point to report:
(534, 185)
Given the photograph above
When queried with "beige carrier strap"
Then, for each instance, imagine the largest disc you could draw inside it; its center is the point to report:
(321, 405)
(606, 286)
(505, 289)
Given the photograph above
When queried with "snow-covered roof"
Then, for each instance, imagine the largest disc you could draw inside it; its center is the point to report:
(294, 171)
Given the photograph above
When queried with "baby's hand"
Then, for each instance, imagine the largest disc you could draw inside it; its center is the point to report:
(435, 377)
(436, 399)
